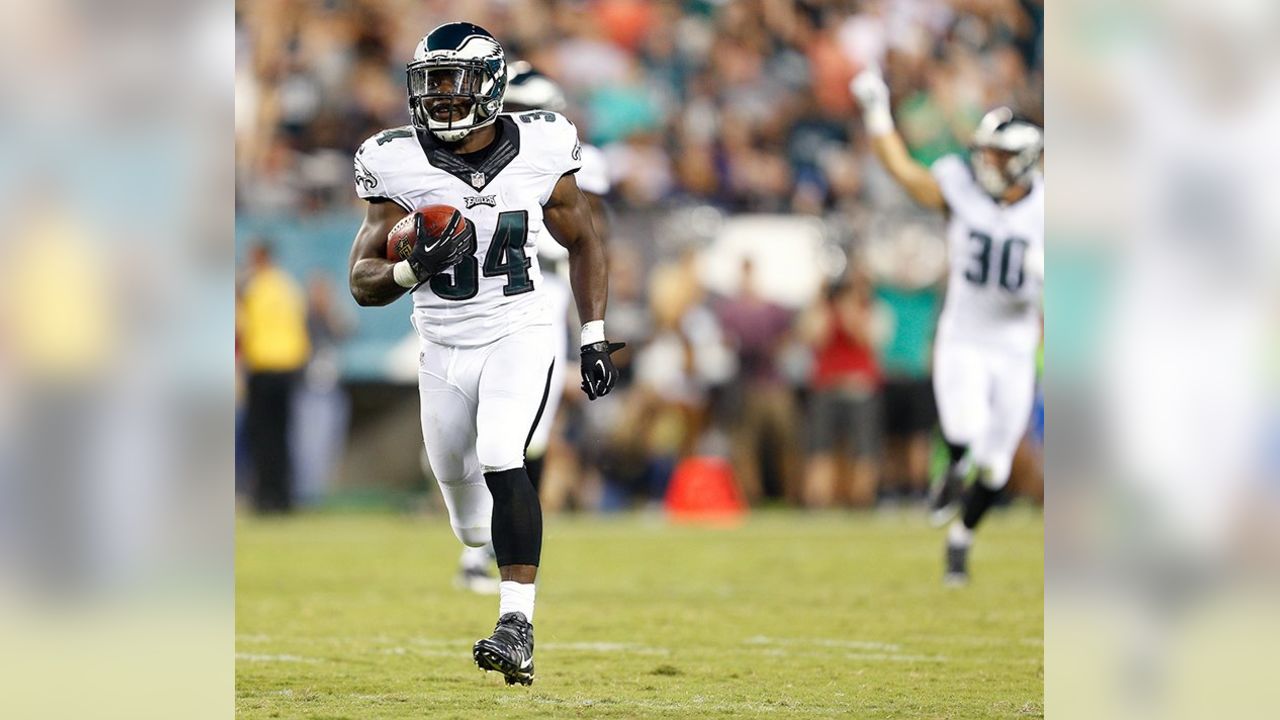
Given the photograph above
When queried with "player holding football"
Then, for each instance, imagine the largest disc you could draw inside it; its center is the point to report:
(984, 352)
(487, 357)
(528, 89)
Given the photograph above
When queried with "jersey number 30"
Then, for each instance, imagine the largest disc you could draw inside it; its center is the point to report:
(1012, 253)
(505, 257)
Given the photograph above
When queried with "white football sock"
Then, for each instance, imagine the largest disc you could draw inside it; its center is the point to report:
(515, 597)
(476, 558)
(959, 535)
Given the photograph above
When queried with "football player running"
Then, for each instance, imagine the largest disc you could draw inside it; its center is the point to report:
(984, 352)
(528, 89)
(478, 305)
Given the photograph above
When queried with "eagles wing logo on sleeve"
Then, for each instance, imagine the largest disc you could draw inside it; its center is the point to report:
(474, 200)
(364, 178)
(577, 151)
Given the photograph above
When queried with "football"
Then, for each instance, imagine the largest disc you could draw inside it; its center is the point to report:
(437, 221)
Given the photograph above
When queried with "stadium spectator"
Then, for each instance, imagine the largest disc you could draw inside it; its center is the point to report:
(907, 272)
(320, 401)
(764, 418)
(844, 424)
(271, 325)
(675, 372)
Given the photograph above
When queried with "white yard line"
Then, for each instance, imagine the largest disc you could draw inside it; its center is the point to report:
(604, 647)
(825, 642)
(783, 707)
(857, 650)
(257, 657)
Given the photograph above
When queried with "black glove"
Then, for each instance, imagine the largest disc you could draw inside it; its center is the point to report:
(431, 256)
(598, 373)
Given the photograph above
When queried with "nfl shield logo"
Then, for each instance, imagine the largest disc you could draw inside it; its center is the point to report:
(477, 180)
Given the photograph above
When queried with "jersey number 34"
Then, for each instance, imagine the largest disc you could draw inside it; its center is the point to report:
(505, 257)
(1012, 254)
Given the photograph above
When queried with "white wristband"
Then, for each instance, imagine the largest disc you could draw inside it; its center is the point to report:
(403, 274)
(592, 332)
(878, 120)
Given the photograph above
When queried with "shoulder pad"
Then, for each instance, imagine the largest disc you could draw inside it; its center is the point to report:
(378, 159)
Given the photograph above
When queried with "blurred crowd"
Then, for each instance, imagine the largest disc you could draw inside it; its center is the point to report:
(727, 108)
(826, 405)
(292, 414)
(742, 104)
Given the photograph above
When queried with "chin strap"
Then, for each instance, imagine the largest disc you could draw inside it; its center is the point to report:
(463, 132)
(461, 135)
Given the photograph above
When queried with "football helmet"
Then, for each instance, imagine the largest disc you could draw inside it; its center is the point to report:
(456, 81)
(528, 89)
(1005, 151)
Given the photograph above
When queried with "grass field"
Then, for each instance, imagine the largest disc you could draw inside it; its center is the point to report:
(789, 615)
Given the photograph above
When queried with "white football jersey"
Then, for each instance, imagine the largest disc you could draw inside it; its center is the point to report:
(991, 297)
(494, 291)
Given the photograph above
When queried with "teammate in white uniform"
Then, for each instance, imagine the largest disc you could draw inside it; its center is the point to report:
(984, 352)
(478, 304)
(529, 90)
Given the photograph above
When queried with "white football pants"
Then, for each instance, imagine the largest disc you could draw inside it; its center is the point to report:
(984, 400)
(479, 406)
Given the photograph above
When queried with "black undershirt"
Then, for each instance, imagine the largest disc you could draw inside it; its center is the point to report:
(475, 159)
(483, 164)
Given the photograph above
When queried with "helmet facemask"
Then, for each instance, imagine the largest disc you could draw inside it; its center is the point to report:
(992, 169)
(450, 97)
(1005, 152)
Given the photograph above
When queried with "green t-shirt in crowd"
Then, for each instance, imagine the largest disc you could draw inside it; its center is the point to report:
(915, 316)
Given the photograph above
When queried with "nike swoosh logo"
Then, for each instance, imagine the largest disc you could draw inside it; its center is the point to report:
(603, 372)
(528, 663)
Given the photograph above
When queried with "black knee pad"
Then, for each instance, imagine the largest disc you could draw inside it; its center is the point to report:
(977, 500)
(534, 467)
(517, 517)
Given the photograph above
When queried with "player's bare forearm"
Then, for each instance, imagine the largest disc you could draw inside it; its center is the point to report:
(599, 214)
(915, 178)
(589, 277)
(371, 279)
(568, 216)
(372, 284)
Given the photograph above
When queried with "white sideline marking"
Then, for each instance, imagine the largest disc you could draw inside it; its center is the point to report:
(375, 639)
(888, 657)
(865, 656)
(862, 650)
(888, 652)
(421, 652)
(784, 707)
(257, 657)
(825, 642)
(974, 640)
(440, 646)
(605, 647)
